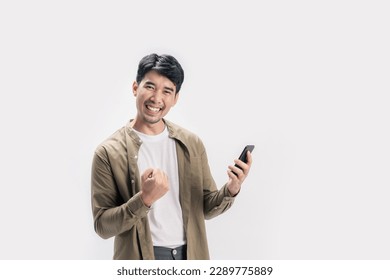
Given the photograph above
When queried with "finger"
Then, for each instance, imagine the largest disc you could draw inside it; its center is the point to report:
(238, 171)
(244, 167)
(160, 174)
(163, 177)
(148, 173)
(231, 175)
(249, 158)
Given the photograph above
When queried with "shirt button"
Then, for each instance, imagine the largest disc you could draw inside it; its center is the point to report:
(132, 181)
(135, 157)
(174, 252)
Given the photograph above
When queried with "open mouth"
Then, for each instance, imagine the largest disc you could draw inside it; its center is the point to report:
(153, 109)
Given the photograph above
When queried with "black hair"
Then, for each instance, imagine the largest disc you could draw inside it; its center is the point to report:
(165, 65)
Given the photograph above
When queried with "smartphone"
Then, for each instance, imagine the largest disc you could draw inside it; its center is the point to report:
(243, 157)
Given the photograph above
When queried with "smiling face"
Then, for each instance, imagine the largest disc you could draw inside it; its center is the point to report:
(155, 96)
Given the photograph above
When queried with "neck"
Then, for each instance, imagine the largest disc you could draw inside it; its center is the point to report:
(148, 128)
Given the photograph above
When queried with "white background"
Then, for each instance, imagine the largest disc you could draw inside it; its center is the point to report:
(307, 82)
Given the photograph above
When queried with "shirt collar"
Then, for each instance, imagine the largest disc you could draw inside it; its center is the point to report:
(173, 130)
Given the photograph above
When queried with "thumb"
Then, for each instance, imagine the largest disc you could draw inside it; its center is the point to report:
(148, 173)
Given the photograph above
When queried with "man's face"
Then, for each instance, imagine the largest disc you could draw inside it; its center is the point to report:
(155, 96)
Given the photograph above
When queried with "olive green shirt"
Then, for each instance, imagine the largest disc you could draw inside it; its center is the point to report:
(117, 206)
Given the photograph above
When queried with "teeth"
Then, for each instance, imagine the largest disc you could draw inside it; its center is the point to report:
(153, 109)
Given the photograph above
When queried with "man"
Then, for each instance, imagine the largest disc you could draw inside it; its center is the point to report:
(151, 184)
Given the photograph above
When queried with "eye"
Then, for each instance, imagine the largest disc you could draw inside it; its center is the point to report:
(150, 87)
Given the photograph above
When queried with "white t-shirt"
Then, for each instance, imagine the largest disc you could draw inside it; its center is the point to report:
(165, 217)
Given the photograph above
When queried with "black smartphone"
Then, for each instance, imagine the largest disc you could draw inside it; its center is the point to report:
(243, 155)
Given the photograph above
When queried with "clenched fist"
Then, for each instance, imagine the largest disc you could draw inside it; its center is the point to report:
(154, 184)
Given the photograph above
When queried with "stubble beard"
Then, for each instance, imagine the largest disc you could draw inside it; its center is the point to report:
(151, 120)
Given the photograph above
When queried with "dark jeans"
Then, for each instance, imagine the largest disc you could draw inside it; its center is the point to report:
(163, 253)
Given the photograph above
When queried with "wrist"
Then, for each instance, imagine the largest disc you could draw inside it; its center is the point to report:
(145, 201)
(233, 191)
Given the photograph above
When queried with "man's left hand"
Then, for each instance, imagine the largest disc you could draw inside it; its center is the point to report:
(235, 180)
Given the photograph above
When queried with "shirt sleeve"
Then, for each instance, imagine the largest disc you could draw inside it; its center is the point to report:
(215, 201)
(111, 214)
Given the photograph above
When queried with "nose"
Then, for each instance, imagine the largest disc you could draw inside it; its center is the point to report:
(157, 96)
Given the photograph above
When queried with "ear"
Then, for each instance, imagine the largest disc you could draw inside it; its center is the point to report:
(176, 98)
(135, 87)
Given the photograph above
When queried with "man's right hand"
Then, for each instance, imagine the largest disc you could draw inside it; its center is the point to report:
(154, 184)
